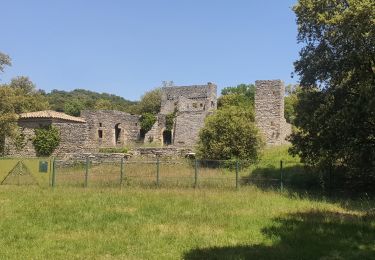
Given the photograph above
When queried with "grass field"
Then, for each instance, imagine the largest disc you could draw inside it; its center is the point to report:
(136, 223)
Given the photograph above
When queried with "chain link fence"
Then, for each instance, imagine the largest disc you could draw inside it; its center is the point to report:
(155, 172)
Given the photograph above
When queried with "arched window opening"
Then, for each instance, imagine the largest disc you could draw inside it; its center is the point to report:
(118, 133)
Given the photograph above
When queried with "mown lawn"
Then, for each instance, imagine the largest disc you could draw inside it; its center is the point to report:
(140, 223)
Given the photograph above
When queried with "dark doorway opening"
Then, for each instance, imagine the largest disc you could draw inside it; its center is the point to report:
(117, 134)
(167, 137)
(142, 134)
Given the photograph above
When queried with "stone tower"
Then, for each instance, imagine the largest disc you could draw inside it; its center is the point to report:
(269, 111)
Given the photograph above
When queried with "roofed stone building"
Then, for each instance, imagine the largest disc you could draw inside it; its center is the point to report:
(73, 133)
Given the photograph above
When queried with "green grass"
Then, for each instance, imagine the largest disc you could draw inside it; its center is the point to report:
(138, 223)
(135, 222)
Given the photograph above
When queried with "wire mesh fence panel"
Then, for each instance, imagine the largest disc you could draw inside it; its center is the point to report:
(69, 173)
(158, 172)
(218, 174)
(264, 175)
(6, 165)
(104, 174)
(25, 171)
(176, 173)
(142, 173)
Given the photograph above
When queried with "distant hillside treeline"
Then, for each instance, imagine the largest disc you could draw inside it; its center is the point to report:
(72, 102)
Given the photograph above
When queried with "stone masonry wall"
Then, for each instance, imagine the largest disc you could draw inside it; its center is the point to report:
(155, 135)
(74, 138)
(192, 104)
(189, 98)
(269, 111)
(187, 127)
(106, 121)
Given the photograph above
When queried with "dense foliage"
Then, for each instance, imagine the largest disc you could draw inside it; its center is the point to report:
(241, 95)
(169, 121)
(46, 140)
(150, 102)
(230, 133)
(147, 121)
(4, 61)
(335, 113)
(72, 102)
(290, 102)
(19, 96)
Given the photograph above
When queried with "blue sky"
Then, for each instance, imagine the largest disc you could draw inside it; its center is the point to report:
(129, 47)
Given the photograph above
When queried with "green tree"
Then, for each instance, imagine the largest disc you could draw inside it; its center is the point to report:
(17, 97)
(71, 101)
(150, 102)
(4, 61)
(335, 113)
(241, 95)
(103, 104)
(147, 121)
(230, 133)
(290, 102)
(73, 107)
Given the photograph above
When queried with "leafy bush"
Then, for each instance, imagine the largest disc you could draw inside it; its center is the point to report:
(230, 133)
(46, 140)
(147, 121)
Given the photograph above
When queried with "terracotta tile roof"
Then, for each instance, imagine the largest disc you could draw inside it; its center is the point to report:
(53, 115)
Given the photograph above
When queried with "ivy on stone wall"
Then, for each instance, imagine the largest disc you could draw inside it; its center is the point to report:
(147, 121)
(169, 121)
(46, 140)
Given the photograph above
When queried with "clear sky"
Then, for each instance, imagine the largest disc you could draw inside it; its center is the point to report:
(128, 47)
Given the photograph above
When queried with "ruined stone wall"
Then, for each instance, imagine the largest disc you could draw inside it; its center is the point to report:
(28, 148)
(155, 135)
(189, 98)
(269, 111)
(105, 121)
(74, 138)
(187, 127)
(192, 104)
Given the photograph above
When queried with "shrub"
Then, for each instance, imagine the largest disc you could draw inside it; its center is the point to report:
(147, 121)
(230, 133)
(46, 140)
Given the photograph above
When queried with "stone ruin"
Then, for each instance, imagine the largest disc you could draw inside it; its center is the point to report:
(269, 111)
(187, 105)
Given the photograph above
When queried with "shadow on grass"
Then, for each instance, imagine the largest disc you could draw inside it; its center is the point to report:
(296, 178)
(307, 235)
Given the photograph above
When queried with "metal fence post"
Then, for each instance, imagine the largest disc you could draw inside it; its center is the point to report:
(53, 172)
(196, 173)
(157, 170)
(237, 184)
(281, 175)
(87, 171)
(122, 171)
